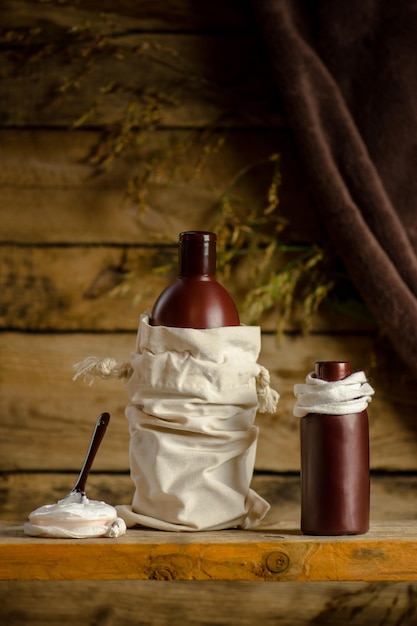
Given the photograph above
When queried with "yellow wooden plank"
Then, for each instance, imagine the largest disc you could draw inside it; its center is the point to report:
(387, 553)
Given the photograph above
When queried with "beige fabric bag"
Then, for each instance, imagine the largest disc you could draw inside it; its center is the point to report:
(193, 396)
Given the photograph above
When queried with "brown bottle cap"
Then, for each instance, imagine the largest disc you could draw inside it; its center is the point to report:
(197, 253)
(332, 370)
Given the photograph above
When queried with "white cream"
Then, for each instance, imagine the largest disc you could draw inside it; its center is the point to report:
(76, 517)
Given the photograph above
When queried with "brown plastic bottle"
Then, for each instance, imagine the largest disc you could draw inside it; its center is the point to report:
(195, 299)
(335, 478)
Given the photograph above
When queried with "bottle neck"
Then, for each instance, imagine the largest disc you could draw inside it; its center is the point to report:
(332, 370)
(197, 254)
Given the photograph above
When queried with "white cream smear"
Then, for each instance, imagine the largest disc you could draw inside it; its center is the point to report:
(75, 517)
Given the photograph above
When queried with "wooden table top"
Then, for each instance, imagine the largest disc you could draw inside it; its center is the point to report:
(279, 552)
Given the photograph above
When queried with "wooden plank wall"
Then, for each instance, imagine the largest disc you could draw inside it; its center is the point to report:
(90, 208)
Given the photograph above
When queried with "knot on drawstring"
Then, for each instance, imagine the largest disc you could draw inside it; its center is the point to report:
(108, 367)
(268, 398)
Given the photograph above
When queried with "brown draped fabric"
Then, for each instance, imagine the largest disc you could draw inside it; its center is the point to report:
(346, 73)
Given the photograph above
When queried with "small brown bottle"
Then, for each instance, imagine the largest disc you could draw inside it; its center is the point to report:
(335, 478)
(195, 299)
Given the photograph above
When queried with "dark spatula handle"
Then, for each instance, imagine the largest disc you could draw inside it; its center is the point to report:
(98, 434)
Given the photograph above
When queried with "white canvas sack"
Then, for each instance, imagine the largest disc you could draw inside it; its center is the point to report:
(193, 397)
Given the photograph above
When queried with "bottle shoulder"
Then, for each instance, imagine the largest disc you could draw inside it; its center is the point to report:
(195, 302)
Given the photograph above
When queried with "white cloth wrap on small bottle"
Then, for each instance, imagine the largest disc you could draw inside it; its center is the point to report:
(340, 397)
(194, 399)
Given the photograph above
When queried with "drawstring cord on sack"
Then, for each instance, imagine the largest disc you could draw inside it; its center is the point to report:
(92, 367)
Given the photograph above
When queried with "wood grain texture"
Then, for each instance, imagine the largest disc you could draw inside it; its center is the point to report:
(48, 180)
(101, 288)
(158, 603)
(388, 552)
(228, 603)
(80, 288)
(162, 80)
(52, 193)
(41, 407)
(146, 15)
(392, 497)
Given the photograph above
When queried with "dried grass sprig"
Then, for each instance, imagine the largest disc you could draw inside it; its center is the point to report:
(290, 280)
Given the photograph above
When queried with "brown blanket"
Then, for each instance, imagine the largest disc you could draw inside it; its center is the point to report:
(346, 73)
